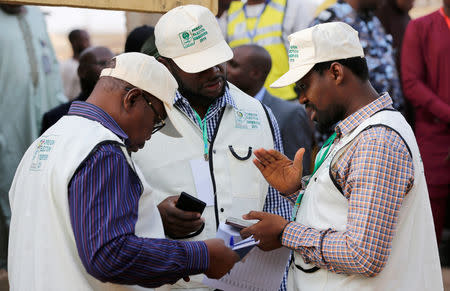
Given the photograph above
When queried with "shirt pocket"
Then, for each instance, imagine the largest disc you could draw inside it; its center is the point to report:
(243, 173)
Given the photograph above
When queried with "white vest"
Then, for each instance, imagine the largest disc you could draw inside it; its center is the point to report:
(239, 186)
(413, 263)
(42, 250)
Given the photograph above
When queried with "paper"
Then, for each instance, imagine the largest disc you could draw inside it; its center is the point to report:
(259, 271)
(202, 181)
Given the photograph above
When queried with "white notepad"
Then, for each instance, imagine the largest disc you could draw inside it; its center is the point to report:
(259, 271)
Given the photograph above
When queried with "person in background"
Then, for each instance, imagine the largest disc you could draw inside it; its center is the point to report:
(30, 84)
(79, 41)
(221, 126)
(92, 61)
(394, 17)
(137, 38)
(223, 6)
(376, 43)
(268, 23)
(425, 75)
(363, 220)
(83, 216)
(248, 70)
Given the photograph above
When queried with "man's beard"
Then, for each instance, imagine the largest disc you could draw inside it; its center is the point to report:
(199, 98)
(326, 119)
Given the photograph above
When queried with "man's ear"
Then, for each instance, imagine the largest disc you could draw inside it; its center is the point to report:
(130, 99)
(337, 72)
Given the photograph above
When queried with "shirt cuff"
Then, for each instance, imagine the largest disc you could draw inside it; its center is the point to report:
(197, 257)
(296, 235)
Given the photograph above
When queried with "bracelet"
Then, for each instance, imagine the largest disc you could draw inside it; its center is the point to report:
(195, 233)
(281, 233)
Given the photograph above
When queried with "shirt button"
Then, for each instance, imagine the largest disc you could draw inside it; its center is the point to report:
(222, 210)
(315, 179)
(214, 151)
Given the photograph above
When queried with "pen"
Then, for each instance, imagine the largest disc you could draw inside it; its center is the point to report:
(231, 242)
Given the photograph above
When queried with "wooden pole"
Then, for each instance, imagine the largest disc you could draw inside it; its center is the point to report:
(158, 6)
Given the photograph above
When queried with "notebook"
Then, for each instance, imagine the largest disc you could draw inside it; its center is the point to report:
(257, 270)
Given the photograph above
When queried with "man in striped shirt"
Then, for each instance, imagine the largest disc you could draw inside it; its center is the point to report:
(362, 220)
(83, 216)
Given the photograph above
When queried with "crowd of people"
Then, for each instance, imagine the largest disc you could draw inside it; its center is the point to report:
(328, 122)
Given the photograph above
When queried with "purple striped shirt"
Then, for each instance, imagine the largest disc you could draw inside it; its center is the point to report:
(103, 201)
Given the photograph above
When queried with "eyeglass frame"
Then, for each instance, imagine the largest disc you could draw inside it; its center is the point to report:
(160, 124)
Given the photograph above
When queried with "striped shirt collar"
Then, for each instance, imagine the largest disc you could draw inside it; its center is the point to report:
(182, 103)
(351, 122)
(95, 113)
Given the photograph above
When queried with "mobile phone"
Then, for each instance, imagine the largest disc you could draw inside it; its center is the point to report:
(188, 202)
(239, 223)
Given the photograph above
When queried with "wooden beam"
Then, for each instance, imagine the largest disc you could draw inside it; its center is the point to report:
(159, 6)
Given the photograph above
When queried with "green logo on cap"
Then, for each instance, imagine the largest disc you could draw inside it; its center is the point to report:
(189, 37)
(293, 53)
(186, 38)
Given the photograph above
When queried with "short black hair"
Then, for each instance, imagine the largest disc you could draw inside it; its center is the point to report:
(357, 65)
(74, 34)
(137, 38)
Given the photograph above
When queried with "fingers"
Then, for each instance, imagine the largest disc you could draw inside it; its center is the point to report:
(222, 258)
(177, 222)
(248, 231)
(269, 157)
(254, 215)
(298, 159)
(258, 164)
(183, 215)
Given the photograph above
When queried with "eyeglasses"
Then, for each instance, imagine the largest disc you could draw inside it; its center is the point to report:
(158, 125)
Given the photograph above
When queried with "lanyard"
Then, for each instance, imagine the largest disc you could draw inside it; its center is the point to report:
(251, 34)
(319, 161)
(205, 133)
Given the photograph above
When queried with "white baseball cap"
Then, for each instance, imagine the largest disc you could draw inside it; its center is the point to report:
(146, 73)
(191, 37)
(321, 43)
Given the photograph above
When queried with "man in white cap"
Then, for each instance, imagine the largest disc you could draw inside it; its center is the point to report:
(83, 217)
(362, 221)
(220, 125)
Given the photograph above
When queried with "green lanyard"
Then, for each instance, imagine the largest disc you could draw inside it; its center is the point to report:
(205, 133)
(323, 154)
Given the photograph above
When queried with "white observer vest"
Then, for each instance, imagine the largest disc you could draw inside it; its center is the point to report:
(413, 263)
(42, 249)
(239, 186)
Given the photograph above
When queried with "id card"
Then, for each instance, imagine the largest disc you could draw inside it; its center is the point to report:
(202, 180)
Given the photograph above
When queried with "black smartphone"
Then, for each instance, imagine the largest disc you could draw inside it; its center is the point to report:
(188, 202)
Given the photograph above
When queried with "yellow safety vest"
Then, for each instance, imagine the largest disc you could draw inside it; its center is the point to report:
(266, 31)
(325, 4)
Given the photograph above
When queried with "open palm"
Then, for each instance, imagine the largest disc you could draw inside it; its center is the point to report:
(280, 172)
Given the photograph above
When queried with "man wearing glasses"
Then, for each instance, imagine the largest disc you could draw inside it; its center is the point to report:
(83, 217)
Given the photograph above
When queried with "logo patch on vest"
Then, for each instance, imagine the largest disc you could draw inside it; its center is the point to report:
(247, 120)
(41, 153)
(188, 37)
